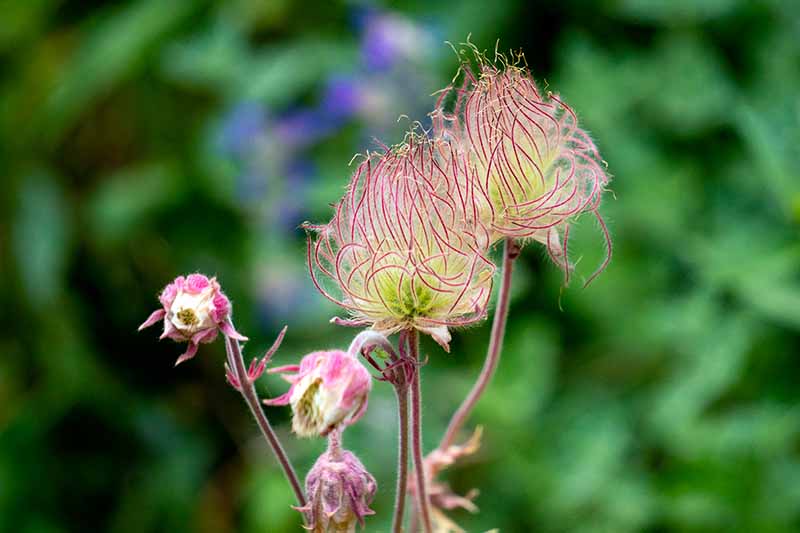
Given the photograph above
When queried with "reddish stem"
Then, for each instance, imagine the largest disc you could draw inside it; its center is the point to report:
(416, 437)
(402, 459)
(510, 253)
(251, 398)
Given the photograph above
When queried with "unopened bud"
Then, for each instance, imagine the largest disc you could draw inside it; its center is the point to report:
(339, 491)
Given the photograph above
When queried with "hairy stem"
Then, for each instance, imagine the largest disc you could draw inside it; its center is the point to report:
(335, 444)
(416, 438)
(510, 253)
(402, 459)
(251, 398)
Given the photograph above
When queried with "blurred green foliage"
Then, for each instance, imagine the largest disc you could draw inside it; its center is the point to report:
(662, 398)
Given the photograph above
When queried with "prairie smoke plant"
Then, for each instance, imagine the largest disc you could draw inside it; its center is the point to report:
(405, 248)
(538, 170)
(194, 310)
(406, 252)
(328, 389)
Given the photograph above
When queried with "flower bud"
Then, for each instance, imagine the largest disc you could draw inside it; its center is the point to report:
(194, 310)
(339, 491)
(328, 388)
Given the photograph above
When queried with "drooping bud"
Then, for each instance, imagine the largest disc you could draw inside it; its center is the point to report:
(405, 249)
(328, 389)
(194, 309)
(339, 491)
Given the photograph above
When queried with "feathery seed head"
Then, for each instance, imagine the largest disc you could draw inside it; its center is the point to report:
(537, 169)
(406, 248)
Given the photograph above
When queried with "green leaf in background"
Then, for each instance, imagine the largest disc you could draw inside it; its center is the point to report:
(125, 201)
(116, 46)
(766, 277)
(277, 73)
(42, 236)
(688, 88)
(22, 20)
(773, 137)
(714, 360)
(268, 503)
(214, 58)
(273, 75)
(667, 11)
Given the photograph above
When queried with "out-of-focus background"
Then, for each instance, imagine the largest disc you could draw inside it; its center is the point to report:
(143, 139)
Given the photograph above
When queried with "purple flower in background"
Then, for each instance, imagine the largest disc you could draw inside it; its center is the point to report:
(342, 97)
(390, 38)
(242, 126)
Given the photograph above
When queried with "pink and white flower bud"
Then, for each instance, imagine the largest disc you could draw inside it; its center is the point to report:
(328, 389)
(194, 310)
(339, 491)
